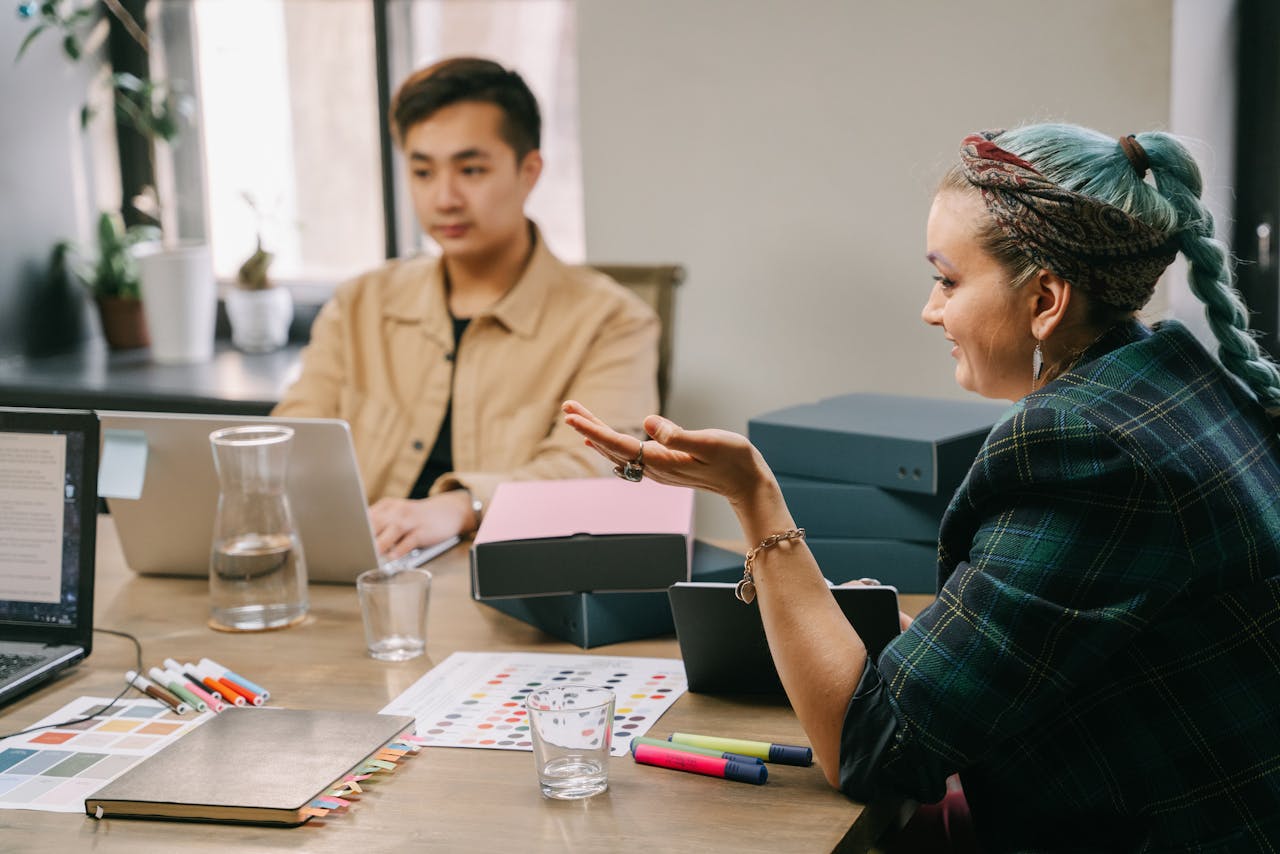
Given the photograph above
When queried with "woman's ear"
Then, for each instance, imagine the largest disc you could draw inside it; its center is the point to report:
(1050, 297)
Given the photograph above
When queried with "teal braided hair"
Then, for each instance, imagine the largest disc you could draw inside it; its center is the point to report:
(1093, 164)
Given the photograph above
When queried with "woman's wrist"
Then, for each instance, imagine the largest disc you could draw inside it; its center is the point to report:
(761, 509)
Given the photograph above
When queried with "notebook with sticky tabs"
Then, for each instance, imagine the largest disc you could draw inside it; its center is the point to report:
(312, 752)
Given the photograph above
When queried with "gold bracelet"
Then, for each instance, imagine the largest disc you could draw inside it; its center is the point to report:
(746, 589)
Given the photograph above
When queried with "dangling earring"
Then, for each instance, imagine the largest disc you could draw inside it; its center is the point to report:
(1037, 363)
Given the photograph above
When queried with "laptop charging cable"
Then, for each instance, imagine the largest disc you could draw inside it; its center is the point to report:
(137, 648)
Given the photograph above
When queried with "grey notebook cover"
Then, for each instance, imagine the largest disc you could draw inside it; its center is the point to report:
(252, 766)
(723, 643)
(910, 443)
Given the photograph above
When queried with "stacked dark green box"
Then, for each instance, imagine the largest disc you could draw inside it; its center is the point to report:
(869, 476)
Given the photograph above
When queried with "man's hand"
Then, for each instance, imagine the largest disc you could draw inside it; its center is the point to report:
(402, 524)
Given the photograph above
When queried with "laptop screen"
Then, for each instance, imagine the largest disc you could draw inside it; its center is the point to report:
(48, 504)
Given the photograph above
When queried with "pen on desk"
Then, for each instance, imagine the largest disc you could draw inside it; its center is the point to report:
(212, 702)
(231, 691)
(224, 673)
(783, 754)
(226, 693)
(164, 680)
(156, 692)
(680, 760)
(705, 751)
(189, 671)
(182, 673)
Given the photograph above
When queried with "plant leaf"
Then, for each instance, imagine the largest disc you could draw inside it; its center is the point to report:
(86, 116)
(71, 46)
(31, 36)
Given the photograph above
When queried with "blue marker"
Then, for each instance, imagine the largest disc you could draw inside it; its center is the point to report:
(236, 678)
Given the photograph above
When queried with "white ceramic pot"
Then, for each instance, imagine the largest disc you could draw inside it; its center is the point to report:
(180, 299)
(259, 319)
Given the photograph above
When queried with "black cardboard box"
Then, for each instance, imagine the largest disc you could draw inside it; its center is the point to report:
(556, 537)
(909, 443)
(596, 619)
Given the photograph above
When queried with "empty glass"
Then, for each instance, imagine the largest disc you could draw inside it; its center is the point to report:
(394, 605)
(257, 571)
(572, 728)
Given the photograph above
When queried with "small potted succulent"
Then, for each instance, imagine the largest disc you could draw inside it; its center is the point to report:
(111, 276)
(259, 312)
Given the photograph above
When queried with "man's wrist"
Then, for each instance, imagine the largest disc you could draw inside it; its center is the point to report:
(477, 507)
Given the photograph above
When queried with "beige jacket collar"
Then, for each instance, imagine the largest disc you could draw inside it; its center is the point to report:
(520, 310)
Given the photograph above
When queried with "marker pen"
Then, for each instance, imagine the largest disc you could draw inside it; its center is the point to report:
(647, 754)
(783, 754)
(689, 748)
(189, 673)
(186, 680)
(224, 673)
(195, 688)
(230, 690)
(164, 680)
(223, 691)
(155, 691)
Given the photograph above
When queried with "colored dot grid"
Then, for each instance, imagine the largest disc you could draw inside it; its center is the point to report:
(491, 712)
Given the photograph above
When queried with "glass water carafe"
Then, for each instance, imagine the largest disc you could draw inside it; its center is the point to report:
(257, 572)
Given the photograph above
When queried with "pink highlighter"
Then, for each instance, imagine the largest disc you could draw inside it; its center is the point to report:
(696, 763)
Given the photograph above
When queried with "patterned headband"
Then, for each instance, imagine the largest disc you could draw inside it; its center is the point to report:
(1095, 246)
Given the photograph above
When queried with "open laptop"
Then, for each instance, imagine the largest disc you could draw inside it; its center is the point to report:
(162, 490)
(48, 529)
(723, 644)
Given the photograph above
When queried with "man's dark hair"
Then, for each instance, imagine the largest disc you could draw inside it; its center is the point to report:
(470, 79)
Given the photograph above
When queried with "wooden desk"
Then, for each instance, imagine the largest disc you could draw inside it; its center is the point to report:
(446, 799)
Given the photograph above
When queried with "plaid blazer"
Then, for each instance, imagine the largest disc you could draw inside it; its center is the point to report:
(1102, 663)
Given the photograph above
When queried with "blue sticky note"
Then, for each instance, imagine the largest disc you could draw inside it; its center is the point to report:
(124, 464)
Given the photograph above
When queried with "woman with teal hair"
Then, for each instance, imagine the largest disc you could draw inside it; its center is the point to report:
(1100, 664)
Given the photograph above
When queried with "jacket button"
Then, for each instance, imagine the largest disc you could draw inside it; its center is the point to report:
(417, 445)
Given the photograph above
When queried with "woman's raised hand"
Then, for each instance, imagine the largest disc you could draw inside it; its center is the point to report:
(715, 460)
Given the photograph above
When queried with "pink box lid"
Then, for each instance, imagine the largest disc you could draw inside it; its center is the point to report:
(542, 509)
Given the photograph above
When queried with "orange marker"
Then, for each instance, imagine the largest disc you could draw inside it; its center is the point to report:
(227, 697)
(241, 694)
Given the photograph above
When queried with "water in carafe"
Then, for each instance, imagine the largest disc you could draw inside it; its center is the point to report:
(257, 570)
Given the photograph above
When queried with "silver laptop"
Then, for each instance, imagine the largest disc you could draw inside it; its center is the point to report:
(162, 490)
(48, 528)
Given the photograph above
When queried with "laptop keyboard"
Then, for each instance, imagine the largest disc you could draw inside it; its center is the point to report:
(11, 664)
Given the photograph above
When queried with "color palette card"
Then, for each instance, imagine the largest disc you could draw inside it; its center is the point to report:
(55, 769)
(476, 699)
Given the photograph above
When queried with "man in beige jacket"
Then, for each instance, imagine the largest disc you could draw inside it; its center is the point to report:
(451, 371)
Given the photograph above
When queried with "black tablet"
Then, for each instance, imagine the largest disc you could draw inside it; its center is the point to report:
(722, 640)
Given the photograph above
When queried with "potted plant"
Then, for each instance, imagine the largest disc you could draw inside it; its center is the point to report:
(111, 277)
(259, 312)
(175, 278)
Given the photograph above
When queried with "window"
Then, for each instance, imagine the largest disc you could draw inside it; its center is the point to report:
(536, 38)
(290, 129)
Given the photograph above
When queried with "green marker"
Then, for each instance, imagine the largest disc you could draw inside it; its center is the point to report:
(163, 678)
(689, 748)
(783, 754)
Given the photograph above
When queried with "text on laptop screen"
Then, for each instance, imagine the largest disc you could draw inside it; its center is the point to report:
(40, 495)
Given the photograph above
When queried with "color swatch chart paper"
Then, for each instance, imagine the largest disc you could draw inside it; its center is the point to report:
(476, 699)
(56, 769)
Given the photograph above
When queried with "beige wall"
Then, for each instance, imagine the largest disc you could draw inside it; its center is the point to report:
(785, 151)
